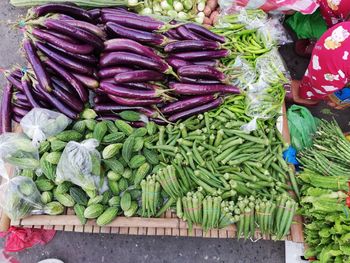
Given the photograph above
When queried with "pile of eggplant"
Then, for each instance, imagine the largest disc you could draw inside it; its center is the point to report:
(147, 63)
(125, 60)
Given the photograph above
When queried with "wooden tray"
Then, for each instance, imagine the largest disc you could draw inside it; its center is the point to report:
(167, 225)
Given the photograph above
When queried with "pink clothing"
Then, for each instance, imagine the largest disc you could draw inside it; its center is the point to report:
(329, 68)
(334, 11)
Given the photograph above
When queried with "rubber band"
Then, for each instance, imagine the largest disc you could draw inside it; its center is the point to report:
(192, 209)
(262, 213)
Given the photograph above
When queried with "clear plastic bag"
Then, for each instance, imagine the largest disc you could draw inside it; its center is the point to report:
(243, 73)
(80, 164)
(39, 124)
(17, 152)
(19, 198)
(281, 6)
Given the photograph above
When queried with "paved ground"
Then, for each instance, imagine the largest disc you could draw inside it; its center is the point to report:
(88, 248)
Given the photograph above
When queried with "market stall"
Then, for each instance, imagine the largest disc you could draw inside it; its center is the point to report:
(156, 127)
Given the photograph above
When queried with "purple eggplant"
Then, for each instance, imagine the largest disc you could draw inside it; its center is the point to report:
(74, 32)
(88, 58)
(20, 111)
(27, 89)
(187, 34)
(202, 55)
(6, 109)
(94, 13)
(87, 81)
(134, 102)
(118, 90)
(119, 11)
(137, 124)
(176, 63)
(60, 36)
(113, 107)
(78, 87)
(20, 96)
(13, 80)
(107, 116)
(111, 72)
(199, 89)
(16, 73)
(144, 86)
(109, 80)
(37, 66)
(198, 81)
(191, 45)
(68, 98)
(67, 9)
(159, 121)
(58, 104)
(122, 44)
(126, 58)
(21, 104)
(134, 22)
(62, 44)
(186, 104)
(137, 35)
(201, 71)
(64, 61)
(144, 75)
(196, 110)
(205, 33)
(173, 34)
(17, 118)
(88, 27)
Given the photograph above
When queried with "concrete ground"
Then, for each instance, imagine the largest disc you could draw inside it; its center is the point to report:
(88, 248)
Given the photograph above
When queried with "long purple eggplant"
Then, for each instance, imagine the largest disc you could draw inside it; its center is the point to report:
(191, 45)
(212, 63)
(68, 98)
(101, 99)
(21, 104)
(137, 35)
(19, 96)
(88, 58)
(76, 84)
(134, 102)
(64, 61)
(187, 34)
(36, 64)
(113, 107)
(95, 13)
(143, 86)
(198, 81)
(196, 110)
(67, 9)
(123, 44)
(176, 63)
(134, 22)
(27, 89)
(74, 32)
(144, 75)
(119, 11)
(60, 36)
(16, 73)
(118, 90)
(199, 89)
(20, 111)
(112, 71)
(202, 55)
(13, 80)
(58, 104)
(186, 104)
(205, 33)
(201, 71)
(126, 59)
(6, 109)
(88, 27)
(87, 81)
(107, 116)
(173, 34)
(62, 44)
(17, 118)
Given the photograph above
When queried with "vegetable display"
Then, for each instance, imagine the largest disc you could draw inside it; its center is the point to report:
(158, 120)
(325, 194)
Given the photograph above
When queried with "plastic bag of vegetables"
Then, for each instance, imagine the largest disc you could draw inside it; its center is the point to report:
(19, 197)
(17, 152)
(39, 124)
(80, 164)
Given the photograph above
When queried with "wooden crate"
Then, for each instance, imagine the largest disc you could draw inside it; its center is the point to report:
(167, 225)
